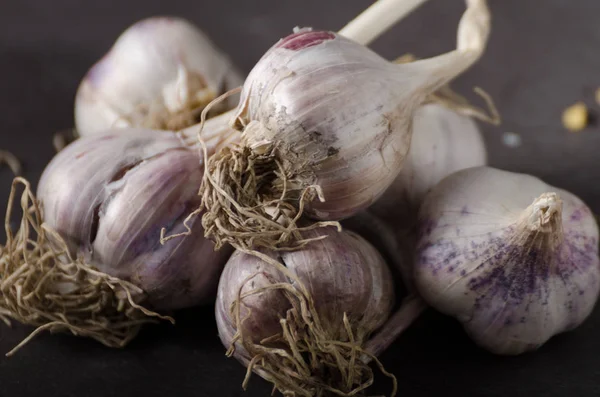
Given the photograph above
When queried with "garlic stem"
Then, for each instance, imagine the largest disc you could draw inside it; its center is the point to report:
(472, 37)
(377, 19)
(410, 310)
(544, 214)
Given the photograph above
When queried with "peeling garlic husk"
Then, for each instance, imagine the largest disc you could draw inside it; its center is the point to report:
(443, 142)
(159, 74)
(110, 195)
(513, 259)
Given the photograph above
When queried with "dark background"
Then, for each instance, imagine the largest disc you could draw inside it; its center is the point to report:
(542, 57)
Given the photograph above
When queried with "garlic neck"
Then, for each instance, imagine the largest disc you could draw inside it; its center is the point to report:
(473, 33)
(542, 220)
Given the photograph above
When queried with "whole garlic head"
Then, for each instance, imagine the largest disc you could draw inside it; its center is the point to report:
(326, 125)
(353, 294)
(156, 75)
(513, 259)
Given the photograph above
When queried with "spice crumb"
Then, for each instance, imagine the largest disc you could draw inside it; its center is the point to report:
(511, 139)
(575, 117)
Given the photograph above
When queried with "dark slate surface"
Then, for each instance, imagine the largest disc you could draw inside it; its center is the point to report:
(542, 57)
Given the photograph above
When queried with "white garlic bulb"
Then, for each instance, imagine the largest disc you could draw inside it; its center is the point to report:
(513, 259)
(341, 105)
(156, 75)
(320, 110)
(443, 142)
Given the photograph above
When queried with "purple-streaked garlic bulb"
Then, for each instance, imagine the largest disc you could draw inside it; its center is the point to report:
(443, 142)
(334, 290)
(110, 195)
(323, 114)
(513, 259)
(159, 74)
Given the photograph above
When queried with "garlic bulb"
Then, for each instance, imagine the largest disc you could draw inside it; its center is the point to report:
(159, 74)
(109, 196)
(321, 110)
(512, 258)
(443, 142)
(328, 298)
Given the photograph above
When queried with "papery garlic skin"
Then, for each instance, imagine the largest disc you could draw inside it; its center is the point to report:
(110, 195)
(158, 68)
(443, 142)
(343, 273)
(512, 268)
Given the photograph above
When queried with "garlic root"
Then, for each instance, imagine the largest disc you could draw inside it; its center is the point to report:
(44, 286)
(303, 335)
(270, 224)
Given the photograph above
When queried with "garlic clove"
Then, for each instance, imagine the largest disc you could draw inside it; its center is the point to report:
(261, 309)
(160, 192)
(157, 72)
(72, 186)
(513, 270)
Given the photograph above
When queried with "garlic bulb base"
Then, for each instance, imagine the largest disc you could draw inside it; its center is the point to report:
(299, 318)
(53, 291)
(256, 199)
